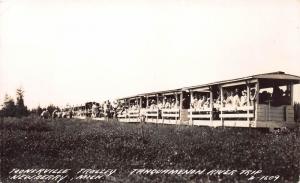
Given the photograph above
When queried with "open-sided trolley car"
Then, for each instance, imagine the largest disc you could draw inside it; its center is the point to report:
(258, 101)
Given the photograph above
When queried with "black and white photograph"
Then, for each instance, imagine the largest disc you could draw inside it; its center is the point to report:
(149, 91)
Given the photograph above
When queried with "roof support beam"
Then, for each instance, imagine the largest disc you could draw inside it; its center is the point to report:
(239, 83)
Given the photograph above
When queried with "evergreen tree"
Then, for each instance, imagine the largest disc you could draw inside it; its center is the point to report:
(9, 107)
(21, 109)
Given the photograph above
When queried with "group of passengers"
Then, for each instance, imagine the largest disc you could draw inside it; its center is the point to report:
(231, 99)
(235, 98)
(134, 106)
(200, 102)
(238, 98)
(167, 103)
(106, 109)
(64, 113)
(57, 113)
(122, 108)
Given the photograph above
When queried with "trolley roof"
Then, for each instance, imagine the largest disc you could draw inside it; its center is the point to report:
(266, 76)
(271, 76)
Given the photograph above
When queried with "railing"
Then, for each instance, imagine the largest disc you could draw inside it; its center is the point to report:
(246, 112)
(122, 116)
(79, 115)
(134, 115)
(170, 115)
(151, 115)
(200, 114)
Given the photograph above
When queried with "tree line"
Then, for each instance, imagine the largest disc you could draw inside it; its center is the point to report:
(13, 108)
(17, 108)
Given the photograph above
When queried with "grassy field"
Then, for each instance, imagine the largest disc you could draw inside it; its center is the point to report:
(71, 143)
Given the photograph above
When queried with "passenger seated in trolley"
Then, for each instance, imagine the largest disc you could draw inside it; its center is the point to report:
(232, 99)
(228, 99)
(206, 104)
(217, 103)
(153, 104)
(160, 105)
(236, 100)
(174, 104)
(167, 104)
(194, 102)
(135, 106)
(243, 101)
(202, 103)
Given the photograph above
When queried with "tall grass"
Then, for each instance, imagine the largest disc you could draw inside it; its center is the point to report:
(63, 143)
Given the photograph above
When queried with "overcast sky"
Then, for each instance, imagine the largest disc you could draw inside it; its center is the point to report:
(73, 51)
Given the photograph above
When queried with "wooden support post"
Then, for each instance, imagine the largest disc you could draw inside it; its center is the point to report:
(147, 105)
(222, 98)
(140, 108)
(191, 112)
(181, 104)
(248, 102)
(163, 103)
(129, 105)
(211, 104)
(289, 92)
(84, 109)
(147, 102)
(292, 93)
(176, 103)
(181, 100)
(157, 108)
(141, 102)
(256, 99)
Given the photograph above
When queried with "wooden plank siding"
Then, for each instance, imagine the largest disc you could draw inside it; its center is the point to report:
(271, 113)
(290, 113)
(184, 116)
